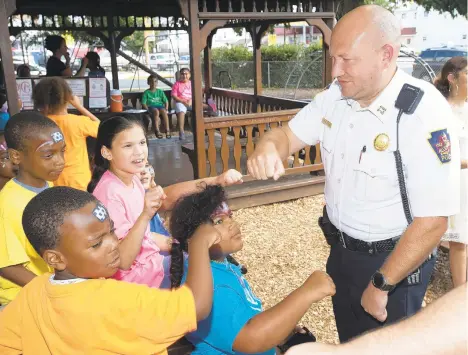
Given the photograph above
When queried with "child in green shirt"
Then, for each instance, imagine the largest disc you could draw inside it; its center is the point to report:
(155, 101)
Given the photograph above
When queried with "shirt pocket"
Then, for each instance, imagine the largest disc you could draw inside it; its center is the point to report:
(327, 144)
(375, 177)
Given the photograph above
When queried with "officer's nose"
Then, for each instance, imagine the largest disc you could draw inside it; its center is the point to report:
(337, 67)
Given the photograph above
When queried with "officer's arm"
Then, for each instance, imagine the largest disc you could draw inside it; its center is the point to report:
(421, 237)
(441, 327)
(432, 160)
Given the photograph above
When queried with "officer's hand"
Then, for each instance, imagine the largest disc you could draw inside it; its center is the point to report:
(265, 162)
(374, 302)
(313, 348)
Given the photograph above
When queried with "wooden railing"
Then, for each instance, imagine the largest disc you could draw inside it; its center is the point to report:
(225, 151)
(231, 102)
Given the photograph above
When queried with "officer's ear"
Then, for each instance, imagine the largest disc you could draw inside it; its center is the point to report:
(388, 53)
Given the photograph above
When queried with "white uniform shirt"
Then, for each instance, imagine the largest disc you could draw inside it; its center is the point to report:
(361, 190)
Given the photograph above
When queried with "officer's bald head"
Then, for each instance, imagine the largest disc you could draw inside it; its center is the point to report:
(364, 46)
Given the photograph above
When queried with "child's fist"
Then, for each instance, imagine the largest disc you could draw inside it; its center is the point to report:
(230, 177)
(319, 285)
(207, 233)
(153, 200)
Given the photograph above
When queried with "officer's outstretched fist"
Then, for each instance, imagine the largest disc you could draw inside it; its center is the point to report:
(265, 162)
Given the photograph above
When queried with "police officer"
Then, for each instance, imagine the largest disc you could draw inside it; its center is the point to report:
(380, 256)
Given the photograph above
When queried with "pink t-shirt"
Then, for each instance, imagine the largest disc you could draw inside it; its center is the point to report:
(182, 90)
(125, 204)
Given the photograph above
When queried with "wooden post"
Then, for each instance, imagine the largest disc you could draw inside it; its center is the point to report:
(197, 94)
(326, 36)
(7, 56)
(257, 33)
(113, 52)
(207, 66)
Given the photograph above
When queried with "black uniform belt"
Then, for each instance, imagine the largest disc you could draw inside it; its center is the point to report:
(335, 236)
(353, 244)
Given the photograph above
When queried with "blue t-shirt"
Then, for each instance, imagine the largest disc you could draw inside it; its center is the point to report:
(157, 226)
(4, 117)
(234, 304)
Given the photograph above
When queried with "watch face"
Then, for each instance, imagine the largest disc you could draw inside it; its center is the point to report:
(378, 280)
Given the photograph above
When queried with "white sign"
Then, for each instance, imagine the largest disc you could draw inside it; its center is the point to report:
(97, 102)
(78, 86)
(97, 87)
(25, 89)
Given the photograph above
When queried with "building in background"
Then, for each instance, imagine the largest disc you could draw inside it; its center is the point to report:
(423, 29)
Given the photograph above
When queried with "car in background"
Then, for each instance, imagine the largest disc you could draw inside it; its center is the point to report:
(162, 61)
(436, 58)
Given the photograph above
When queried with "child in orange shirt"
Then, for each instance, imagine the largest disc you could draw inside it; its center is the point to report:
(51, 97)
(78, 310)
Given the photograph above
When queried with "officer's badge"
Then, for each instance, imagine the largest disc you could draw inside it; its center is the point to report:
(440, 143)
(100, 213)
(381, 142)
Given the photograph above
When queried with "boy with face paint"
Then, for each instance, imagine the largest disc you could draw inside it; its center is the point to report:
(78, 310)
(36, 146)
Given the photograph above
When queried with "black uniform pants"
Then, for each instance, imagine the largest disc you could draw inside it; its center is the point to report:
(351, 272)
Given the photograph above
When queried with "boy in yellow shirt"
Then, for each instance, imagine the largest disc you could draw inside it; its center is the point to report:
(77, 310)
(36, 146)
(51, 97)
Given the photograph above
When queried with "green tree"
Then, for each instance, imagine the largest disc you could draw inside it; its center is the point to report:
(453, 7)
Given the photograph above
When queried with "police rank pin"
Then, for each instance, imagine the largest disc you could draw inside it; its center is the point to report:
(100, 213)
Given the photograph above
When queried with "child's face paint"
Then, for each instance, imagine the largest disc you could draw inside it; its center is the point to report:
(100, 212)
(88, 243)
(231, 236)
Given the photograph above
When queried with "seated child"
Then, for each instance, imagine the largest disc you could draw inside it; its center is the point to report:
(76, 310)
(7, 169)
(36, 146)
(155, 101)
(51, 97)
(237, 324)
(120, 156)
(4, 115)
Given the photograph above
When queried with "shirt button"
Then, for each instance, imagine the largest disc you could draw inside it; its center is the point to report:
(339, 180)
(342, 155)
(351, 125)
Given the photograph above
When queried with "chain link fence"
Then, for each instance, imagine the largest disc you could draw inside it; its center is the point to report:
(284, 79)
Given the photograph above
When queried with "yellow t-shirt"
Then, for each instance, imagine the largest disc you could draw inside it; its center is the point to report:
(15, 248)
(95, 317)
(75, 129)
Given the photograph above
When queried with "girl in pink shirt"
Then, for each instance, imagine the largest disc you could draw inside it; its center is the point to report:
(120, 156)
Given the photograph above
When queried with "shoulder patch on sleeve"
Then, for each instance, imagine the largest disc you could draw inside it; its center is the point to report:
(440, 143)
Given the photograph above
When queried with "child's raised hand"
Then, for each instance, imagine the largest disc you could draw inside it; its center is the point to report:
(153, 200)
(319, 285)
(75, 101)
(206, 233)
(230, 177)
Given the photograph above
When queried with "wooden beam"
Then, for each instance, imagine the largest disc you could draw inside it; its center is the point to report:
(10, 7)
(7, 60)
(197, 94)
(257, 33)
(207, 66)
(286, 16)
(184, 8)
(208, 28)
(326, 33)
